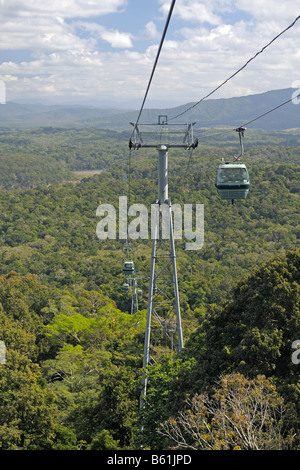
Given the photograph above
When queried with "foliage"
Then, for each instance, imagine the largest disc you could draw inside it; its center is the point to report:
(241, 415)
(104, 441)
(28, 413)
(74, 353)
(253, 332)
(163, 397)
(46, 156)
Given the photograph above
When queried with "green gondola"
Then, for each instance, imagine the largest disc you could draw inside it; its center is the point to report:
(232, 181)
(128, 267)
(125, 288)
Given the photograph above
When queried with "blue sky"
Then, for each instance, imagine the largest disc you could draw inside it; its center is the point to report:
(102, 51)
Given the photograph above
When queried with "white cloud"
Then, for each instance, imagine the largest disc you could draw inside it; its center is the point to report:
(270, 9)
(114, 37)
(117, 39)
(151, 30)
(44, 25)
(60, 8)
(69, 49)
(193, 10)
(58, 74)
(211, 11)
(45, 34)
(197, 12)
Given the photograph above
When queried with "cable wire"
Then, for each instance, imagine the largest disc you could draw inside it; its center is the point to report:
(270, 111)
(225, 132)
(155, 63)
(238, 71)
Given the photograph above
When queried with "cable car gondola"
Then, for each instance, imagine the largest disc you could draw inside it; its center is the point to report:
(125, 288)
(128, 267)
(232, 181)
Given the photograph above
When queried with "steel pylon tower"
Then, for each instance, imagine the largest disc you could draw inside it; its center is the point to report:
(163, 325)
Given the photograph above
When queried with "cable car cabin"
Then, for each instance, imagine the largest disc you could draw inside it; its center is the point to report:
(128, 267)
(232, 180)
(125, 288)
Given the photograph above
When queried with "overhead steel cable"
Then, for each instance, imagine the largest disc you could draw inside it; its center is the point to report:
(241, 127)
(225, 132)
(155, 63)
(270, 111)
(238, 71)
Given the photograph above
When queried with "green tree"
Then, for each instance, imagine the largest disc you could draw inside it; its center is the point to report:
(163, 398)
(116, 410)
(253, 332)
(241, 415)
(28, 414)
(104, 441)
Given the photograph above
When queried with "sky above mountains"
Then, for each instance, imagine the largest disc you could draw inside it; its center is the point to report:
(103, 51)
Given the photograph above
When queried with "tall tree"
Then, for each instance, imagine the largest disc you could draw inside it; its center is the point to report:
(28, 413)
(242, 415)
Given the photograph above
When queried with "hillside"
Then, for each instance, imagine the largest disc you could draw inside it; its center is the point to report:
(231, 112)
(64, 317)
(72, 377)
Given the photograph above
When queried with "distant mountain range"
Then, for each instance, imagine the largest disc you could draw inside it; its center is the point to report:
(232, 112)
